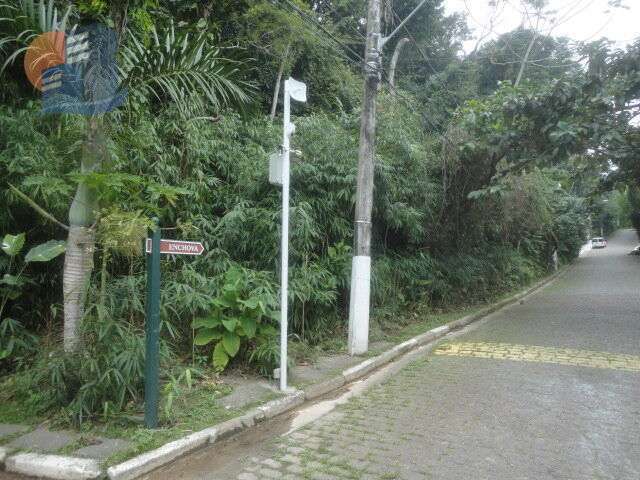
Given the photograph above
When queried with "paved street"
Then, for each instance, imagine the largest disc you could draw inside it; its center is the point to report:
(546, 389)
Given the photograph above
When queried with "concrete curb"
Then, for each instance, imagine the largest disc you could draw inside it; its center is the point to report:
(36, 465)
(318, 389)
(281, 405)
(148, 461)
(53, 466)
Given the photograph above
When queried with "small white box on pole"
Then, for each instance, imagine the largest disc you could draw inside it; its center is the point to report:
(275, 169)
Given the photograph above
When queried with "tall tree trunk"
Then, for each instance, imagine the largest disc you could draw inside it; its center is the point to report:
(276, 90)
(525, 59)
(394, 61)
(78, 262)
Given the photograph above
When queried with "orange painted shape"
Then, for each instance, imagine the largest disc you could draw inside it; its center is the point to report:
(46, 51)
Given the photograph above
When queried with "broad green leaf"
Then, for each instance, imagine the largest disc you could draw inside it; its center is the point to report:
(220, 357)
(231, 343)
(208, 322)
(251, 303)
(230, 324)
(249, 325)
(12, 244)
(233, 276)
(206, 336)
(46, 251)
(230, 296)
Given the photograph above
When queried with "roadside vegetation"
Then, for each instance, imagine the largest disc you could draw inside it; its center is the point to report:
(477, 183)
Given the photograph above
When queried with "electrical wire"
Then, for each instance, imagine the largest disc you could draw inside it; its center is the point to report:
(325, 42)
(321, 27)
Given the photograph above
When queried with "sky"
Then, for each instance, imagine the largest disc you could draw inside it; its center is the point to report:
(582, 20)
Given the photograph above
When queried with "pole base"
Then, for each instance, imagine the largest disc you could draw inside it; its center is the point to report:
(359, 305)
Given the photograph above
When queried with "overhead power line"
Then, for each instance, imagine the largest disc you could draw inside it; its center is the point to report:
(313, 21)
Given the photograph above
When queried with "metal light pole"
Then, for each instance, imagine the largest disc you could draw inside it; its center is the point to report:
(297, 91)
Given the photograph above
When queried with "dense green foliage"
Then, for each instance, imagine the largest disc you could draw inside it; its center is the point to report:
(477, 183)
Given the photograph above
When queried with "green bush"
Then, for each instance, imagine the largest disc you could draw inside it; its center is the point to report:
(242, 312)
(17, 344)
(105, 378)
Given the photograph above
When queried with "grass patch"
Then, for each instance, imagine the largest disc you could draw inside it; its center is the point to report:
(194, 410)
(427, 322)
(396, 325)
(84, 441)
(17, 412)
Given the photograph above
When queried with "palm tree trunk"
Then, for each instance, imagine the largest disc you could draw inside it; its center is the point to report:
(78, 262)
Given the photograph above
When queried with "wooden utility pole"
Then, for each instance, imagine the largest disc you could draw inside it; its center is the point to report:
(361, 263)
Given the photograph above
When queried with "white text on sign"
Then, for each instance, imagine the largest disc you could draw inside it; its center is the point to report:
(177, 247)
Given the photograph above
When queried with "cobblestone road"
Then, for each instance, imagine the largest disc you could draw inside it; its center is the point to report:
(548, 389)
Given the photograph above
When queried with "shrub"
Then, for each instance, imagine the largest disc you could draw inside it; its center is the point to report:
(242, 312)
(103, 379)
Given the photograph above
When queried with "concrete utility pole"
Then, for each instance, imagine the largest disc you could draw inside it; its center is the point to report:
(361, 263)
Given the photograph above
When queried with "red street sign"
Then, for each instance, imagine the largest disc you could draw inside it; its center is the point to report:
(177, 247)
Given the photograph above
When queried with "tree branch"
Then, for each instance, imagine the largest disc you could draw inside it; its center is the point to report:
(38, 208)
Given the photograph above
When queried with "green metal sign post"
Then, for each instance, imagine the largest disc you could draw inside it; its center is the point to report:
(152, 330)
(153, 248)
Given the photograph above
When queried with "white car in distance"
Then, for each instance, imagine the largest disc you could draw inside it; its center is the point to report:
(598, 242)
